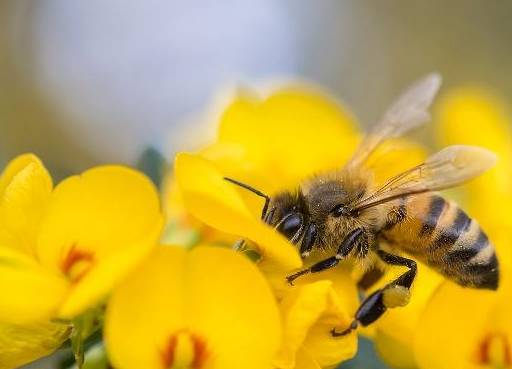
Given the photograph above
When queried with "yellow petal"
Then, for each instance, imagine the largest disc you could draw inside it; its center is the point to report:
(253, 148)
(105, 214)
(216, 202)
(500, 316)
(475, 117)
(293, 133)
(14, 167)
(396, 327)
(305, 360)
(343, 302)
(23, 283)
(451, 327)
(310, 312)
(344, 287)
(397, 354)
(106, 274)
(209, 295)
(234, 161)
(25, 189)
(329, 351)
(300, 308)
(21, 344)
(182, 228)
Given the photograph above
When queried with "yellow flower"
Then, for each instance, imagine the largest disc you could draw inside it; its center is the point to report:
(392, 333)
(282, 139)
(463, 116)
(272, 145)
(20, 344)
(309, 312)
(476, 325)
(477, 117)
(61, 251)
(468, 329)
(201, 309)
(213, 199)
(216, 202)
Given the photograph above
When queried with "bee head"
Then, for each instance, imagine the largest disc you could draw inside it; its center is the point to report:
(319, 210)
(288, 215)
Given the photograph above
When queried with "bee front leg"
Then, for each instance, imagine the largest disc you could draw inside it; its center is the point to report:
(392, 295)
(345, 248)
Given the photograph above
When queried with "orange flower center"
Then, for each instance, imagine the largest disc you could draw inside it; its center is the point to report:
(77, 263)
(184, 350)
(495, 351)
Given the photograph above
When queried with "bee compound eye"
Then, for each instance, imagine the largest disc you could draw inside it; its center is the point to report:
(290, 225)
(339, 210)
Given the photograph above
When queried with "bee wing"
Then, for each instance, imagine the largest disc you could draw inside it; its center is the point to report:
(447, 168)
(410, 110)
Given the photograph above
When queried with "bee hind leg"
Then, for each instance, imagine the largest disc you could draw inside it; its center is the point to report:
(392, 295)
(396, 293)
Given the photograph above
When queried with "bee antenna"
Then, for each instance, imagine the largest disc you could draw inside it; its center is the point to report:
(253, 190)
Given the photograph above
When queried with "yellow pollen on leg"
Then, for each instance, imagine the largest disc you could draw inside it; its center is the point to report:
(396, 296)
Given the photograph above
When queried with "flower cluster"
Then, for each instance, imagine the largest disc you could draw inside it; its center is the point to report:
(272, 144)
(62, 249)
(90, 253)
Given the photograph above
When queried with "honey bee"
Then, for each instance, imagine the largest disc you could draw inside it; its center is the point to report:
(344, 212)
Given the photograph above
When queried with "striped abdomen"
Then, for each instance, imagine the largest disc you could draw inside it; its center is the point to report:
(438, 233)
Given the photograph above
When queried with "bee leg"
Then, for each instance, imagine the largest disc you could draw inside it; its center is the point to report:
(397, 292)
(309, 241)
(239, 245)
(369, 311)
(268, 216)
(351, 327)
(392, 295)
(346, 247)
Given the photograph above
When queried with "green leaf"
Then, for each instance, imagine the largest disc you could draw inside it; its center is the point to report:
(95, 358)
(77, 344)
(153, 164)
(83, 327)
(174, 234)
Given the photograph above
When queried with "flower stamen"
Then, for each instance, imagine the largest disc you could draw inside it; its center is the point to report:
(184, 351)
(495, 351)
(77, 263)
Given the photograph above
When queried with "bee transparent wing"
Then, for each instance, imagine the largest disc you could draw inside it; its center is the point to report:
(447, 168)
(409, 111)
